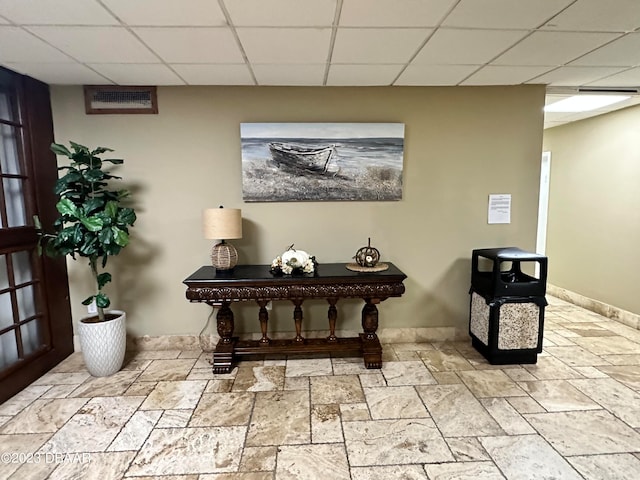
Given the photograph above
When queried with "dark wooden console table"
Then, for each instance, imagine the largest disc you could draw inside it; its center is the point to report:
(331, 282)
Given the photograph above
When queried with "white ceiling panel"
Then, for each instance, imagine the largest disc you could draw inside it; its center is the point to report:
(394, 13)
(456, 46)
(56, 12)
(60, 73)
(621, 52)
(173, 13)
(504, 13)
(141, 74)
(505, 75)
(377, 45)
(281, 13)
(308, 75)
(435, 74)
(286, 45)
(96, 44)
(627, 78)
(368, 75)
(192, 45)
(201, 74)
(599, 15)
(571, 76)
(552, 48)
(25, 48)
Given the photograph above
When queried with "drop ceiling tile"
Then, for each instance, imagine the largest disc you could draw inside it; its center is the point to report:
(457, 46)
(377, 45)
(505, 75)
(389, 13)
(60, 73)
(435, 74)
(192, 45)
(207, 74)
(598, 15)
(286, 45)
(278, 13)
(96, 44)
(366, 75)
(26, 48)
(311, 75)
(140, 74)
(624, 51)
(552, 48)
(574, 76)
(627, 78)
(182, 13)
(503, 13)
(58, 12)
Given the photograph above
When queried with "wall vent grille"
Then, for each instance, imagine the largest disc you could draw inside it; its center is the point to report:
(100, 100)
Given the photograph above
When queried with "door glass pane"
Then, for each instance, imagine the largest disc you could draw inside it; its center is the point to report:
(14, 200)
(8, 349)
(31, 336)
(21, 267)
(9, 157)
(26, 304)
(4, 277)
(6, 313)
(7, 105)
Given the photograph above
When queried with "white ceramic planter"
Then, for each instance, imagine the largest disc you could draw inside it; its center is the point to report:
(103, 344)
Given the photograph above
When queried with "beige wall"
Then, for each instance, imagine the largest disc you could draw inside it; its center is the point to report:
(461, 144)
(594, 208)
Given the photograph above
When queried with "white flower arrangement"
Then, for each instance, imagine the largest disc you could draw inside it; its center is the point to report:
(293, 261)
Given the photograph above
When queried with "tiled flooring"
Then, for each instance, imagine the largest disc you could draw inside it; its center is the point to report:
(434, 411)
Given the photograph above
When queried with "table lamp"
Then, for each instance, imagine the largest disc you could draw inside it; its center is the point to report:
(222, 224)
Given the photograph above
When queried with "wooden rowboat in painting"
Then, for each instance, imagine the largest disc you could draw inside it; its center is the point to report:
(306, 159)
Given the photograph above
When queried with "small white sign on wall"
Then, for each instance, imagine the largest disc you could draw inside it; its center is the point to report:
(499, 208)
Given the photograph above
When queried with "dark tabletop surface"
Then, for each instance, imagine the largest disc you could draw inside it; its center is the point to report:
(331, 272)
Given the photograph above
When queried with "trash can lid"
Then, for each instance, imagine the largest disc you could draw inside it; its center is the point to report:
(508, 253)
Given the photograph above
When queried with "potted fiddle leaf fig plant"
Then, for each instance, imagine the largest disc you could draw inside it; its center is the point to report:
(93, 223)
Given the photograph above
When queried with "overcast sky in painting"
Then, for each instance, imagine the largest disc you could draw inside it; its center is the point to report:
(322, 130)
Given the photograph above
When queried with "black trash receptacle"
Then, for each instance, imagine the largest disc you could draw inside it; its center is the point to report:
(506, 312)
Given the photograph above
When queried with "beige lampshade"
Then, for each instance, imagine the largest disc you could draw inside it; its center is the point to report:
(222, 223)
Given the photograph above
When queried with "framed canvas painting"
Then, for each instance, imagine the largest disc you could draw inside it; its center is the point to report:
(284, 162)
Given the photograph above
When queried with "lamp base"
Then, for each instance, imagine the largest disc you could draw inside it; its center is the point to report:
(224, 256)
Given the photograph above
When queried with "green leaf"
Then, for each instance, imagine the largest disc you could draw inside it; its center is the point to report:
(111, 209)
(88, 300)
(105, 236)
(94, 174)
(103, 279)
(102, 301)
(126, 216)
(88, 246)
(120, 237)
(115, 161)
(93, 204)
(92, 223)
(66, 207)
(100, 150)
(59, 149)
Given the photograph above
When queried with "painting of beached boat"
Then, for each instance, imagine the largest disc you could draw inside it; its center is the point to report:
(322, 161)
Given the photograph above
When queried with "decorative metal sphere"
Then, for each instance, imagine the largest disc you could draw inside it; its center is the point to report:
(367, 256)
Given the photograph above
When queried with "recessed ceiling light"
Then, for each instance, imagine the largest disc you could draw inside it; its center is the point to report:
(584, 103)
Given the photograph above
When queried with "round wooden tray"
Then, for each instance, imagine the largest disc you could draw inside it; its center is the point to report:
(380, 267)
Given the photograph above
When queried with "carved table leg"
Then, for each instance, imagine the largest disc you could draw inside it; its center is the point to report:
(333, 315)
(371, 348)
(297, 318)
(223, 354)
(263, 316)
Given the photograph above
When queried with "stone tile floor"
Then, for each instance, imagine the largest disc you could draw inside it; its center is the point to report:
(434, 411)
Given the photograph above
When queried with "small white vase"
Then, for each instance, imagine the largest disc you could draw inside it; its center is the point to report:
(103, 344)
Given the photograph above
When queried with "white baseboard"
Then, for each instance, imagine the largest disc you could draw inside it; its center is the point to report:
(615, 313)
(386, 335)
